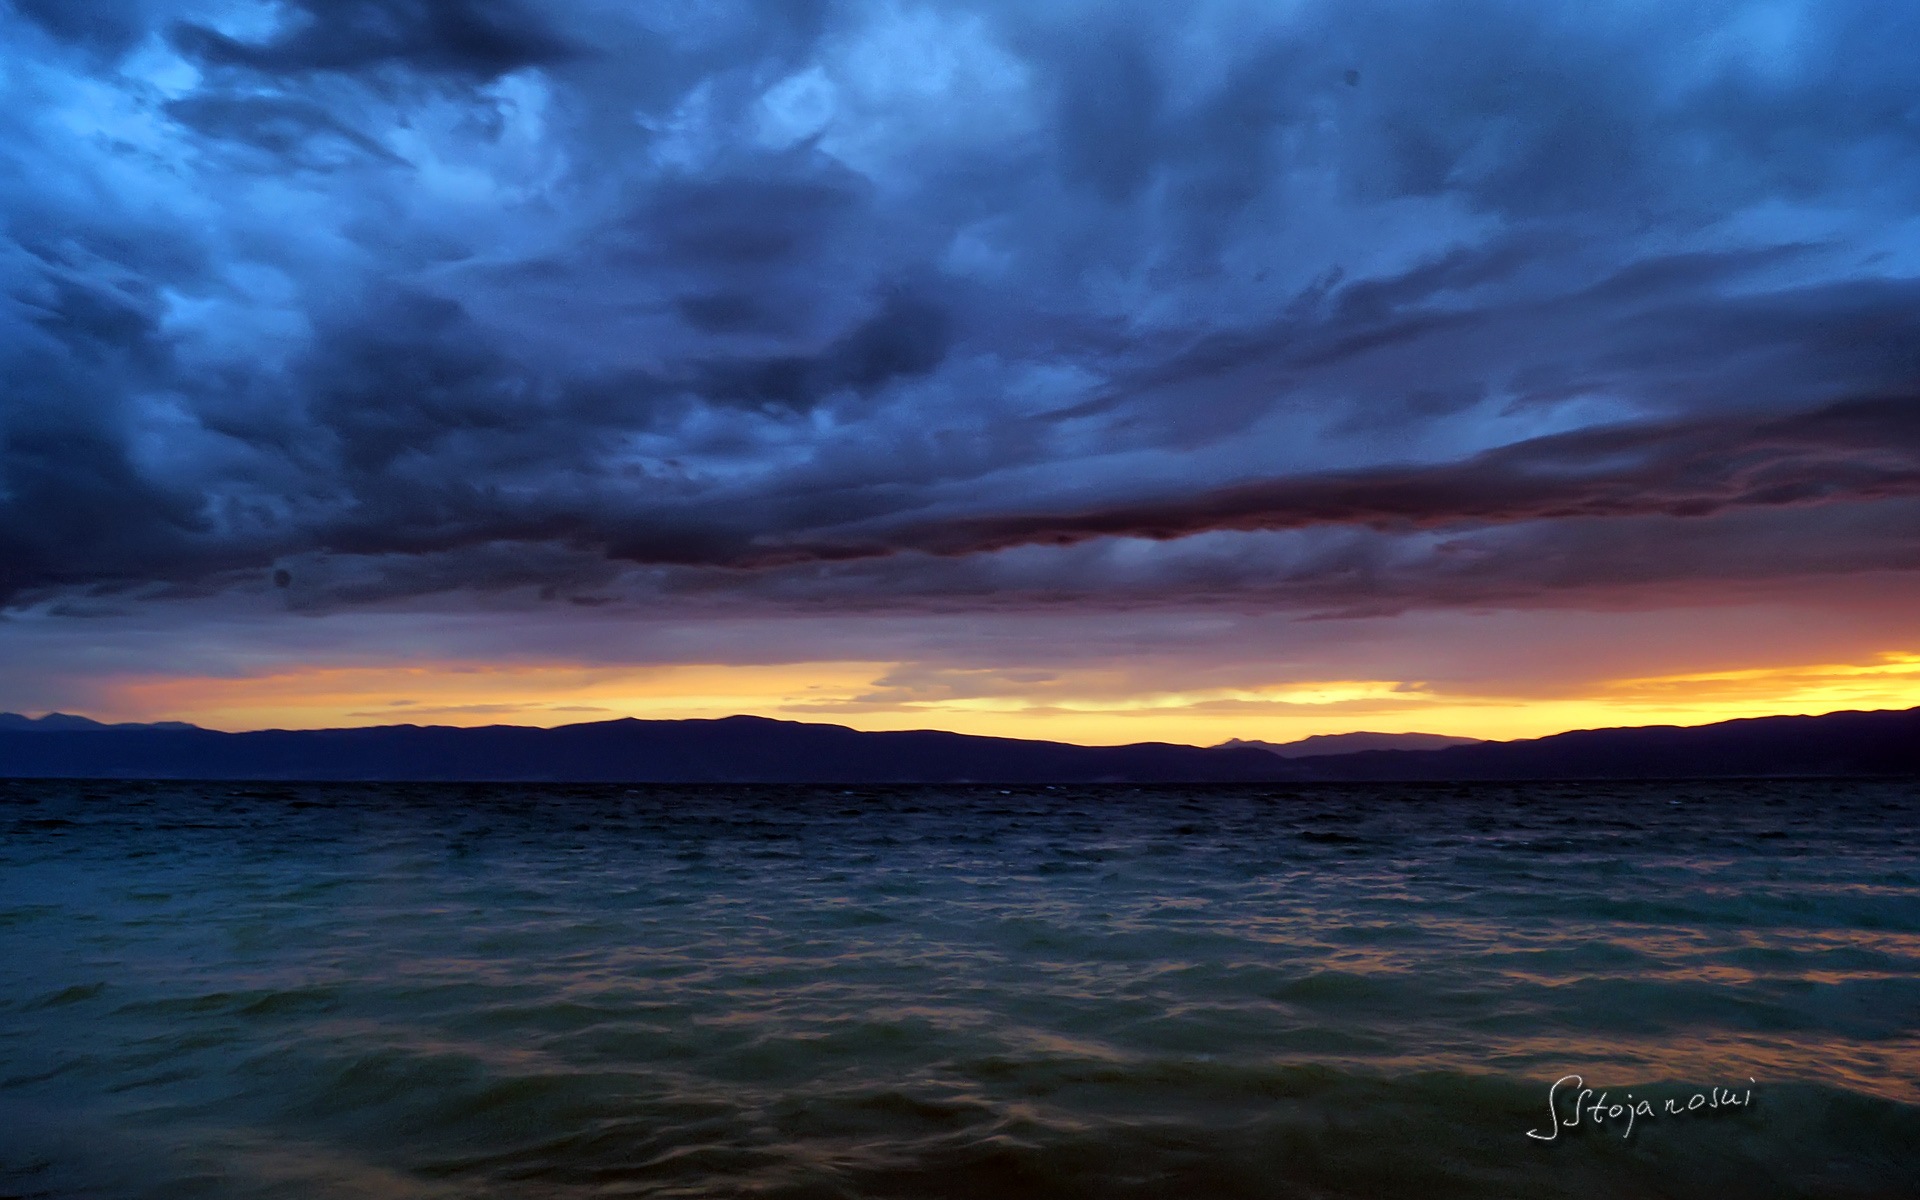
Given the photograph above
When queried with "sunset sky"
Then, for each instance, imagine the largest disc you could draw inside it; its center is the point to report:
(1106, 371)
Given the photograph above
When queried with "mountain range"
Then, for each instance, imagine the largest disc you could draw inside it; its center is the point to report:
(1322, 744)
(745, 749)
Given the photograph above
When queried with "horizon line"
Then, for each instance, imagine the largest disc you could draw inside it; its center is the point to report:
(187, 725)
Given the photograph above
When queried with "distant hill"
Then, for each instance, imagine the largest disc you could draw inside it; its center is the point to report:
(67, 721)
(730, 750)
(1836, 744)
(1350, 743)
(758, 750)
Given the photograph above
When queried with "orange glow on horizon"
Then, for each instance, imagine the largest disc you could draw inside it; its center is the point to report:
(1087, 706)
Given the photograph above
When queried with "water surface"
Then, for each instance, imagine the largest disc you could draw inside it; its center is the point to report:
(229, 990)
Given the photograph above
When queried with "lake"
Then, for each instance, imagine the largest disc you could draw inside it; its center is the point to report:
(353, 990)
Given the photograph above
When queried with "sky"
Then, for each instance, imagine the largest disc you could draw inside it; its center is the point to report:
(1106, 371)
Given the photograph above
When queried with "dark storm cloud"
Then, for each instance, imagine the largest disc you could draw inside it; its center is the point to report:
(859, 303)
(743, 220)
(109, 25)
(906, 338)
(1110, 106)
(1670, 332)
(282, 126)
(1851, 452)
(483, 38)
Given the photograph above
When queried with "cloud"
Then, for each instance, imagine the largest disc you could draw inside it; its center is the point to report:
(1859, 451)
(289, 129)
(109, 25)
(905, 339)
(481, 38)
(1325, 307)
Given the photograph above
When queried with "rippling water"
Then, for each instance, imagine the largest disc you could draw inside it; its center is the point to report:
(399, 991)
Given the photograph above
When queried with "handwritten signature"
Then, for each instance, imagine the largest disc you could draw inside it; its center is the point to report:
(1600, 1110)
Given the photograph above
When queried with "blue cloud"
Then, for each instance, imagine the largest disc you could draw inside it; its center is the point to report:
(846, 301)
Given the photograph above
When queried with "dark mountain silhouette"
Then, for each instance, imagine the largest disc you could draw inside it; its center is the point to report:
(733, 749)
(1352, 743)
(755, 749)
(59, 720)
(1842, 743)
